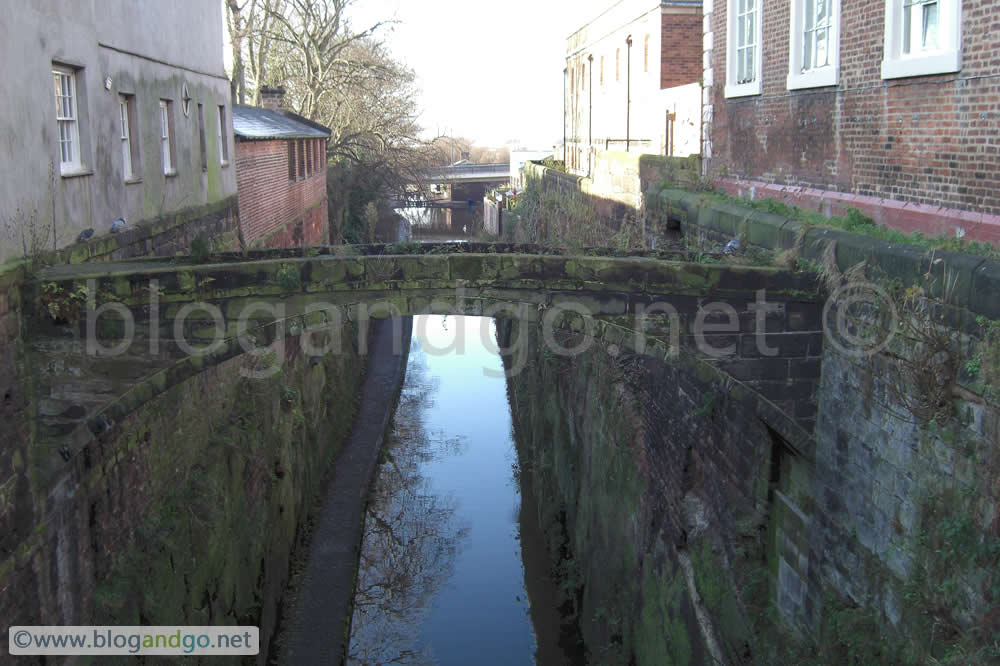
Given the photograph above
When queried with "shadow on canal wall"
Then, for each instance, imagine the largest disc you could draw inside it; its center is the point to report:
(653, 499)
(188, 510)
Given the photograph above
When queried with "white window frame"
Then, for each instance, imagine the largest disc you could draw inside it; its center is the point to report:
(67, 103)
(128, 170)
(828, 75)
(945, 58)
(733, 87)
(169, 169)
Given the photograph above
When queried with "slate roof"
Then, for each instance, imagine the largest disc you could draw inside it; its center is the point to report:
(252, 123)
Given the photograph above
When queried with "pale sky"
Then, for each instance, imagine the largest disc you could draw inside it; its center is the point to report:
(487, 71)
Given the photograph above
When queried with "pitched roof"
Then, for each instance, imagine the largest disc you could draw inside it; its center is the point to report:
(254, 123)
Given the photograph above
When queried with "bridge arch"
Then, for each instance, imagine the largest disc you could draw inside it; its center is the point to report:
(645, 305)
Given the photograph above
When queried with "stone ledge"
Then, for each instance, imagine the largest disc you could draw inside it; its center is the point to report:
(906, 216)
(977, 278)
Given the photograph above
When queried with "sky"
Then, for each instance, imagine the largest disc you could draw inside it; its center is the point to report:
(490, 72)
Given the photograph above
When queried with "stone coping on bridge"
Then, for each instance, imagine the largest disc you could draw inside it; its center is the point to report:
(129, 282)
(675, 252)
(972, 282)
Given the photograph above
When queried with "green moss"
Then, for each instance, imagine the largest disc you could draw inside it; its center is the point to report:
(229, 478)
(662, 636)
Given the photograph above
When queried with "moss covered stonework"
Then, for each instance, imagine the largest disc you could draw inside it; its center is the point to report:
(656, 485)
(187, 511)
(896, 529)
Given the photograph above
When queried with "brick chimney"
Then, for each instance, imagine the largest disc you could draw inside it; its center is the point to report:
(272, 99)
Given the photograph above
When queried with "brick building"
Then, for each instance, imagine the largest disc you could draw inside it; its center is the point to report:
(632, 82)
(280, 174)
(889, 106)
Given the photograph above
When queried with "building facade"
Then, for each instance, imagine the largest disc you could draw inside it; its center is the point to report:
(281, 172)
(632, 82)
(888, 106)
(115, 110)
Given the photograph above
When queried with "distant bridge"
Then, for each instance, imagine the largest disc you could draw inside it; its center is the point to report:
(425, 203)
(467, 173)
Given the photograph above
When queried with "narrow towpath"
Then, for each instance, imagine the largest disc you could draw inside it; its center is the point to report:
(317, 632)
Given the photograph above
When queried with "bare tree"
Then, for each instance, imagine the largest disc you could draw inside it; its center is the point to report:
(343, 78)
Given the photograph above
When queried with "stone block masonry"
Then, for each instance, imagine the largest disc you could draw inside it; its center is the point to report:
(886, 492)
(652, 483)
(16, 504)
(188, 511)
(164, 236)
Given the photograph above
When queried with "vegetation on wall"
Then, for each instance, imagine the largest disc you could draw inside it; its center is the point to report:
(30, 230)
(852, 220)
(567, 220)
(231, 486)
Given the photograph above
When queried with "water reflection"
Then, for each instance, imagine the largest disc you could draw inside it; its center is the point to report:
(441, 578)
(444, 224)
(411, 534)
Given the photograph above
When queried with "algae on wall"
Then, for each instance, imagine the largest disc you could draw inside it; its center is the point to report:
(215, 480)
(582, 437)
(656, 489)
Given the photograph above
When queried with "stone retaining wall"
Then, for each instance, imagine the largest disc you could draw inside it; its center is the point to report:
(889, 493)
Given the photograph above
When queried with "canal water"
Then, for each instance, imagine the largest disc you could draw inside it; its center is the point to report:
(444, 224)
(442, 575)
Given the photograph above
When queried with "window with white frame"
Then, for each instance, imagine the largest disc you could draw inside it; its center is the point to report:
(130, 146)
(743, 53)
(167, 136)
(67, 118)
(922, 37)
(814, 44)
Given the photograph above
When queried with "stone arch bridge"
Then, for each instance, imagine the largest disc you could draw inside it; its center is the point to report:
(148, 325)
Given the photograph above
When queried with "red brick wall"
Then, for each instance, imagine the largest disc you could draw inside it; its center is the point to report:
(271, 205)
(931, 140)
(310, 229)
(680, 49)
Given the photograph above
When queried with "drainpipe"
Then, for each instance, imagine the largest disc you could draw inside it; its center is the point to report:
(628, 92)
(590, 115)
(565, 70)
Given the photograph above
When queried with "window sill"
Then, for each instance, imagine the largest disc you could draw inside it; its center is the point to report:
(940, 63)
(743, 89)
(133, 181)
(820, 78)
(77, 173)
(170, 174)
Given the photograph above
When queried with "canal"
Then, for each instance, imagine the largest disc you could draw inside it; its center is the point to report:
(447, 542)
(444, 224)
